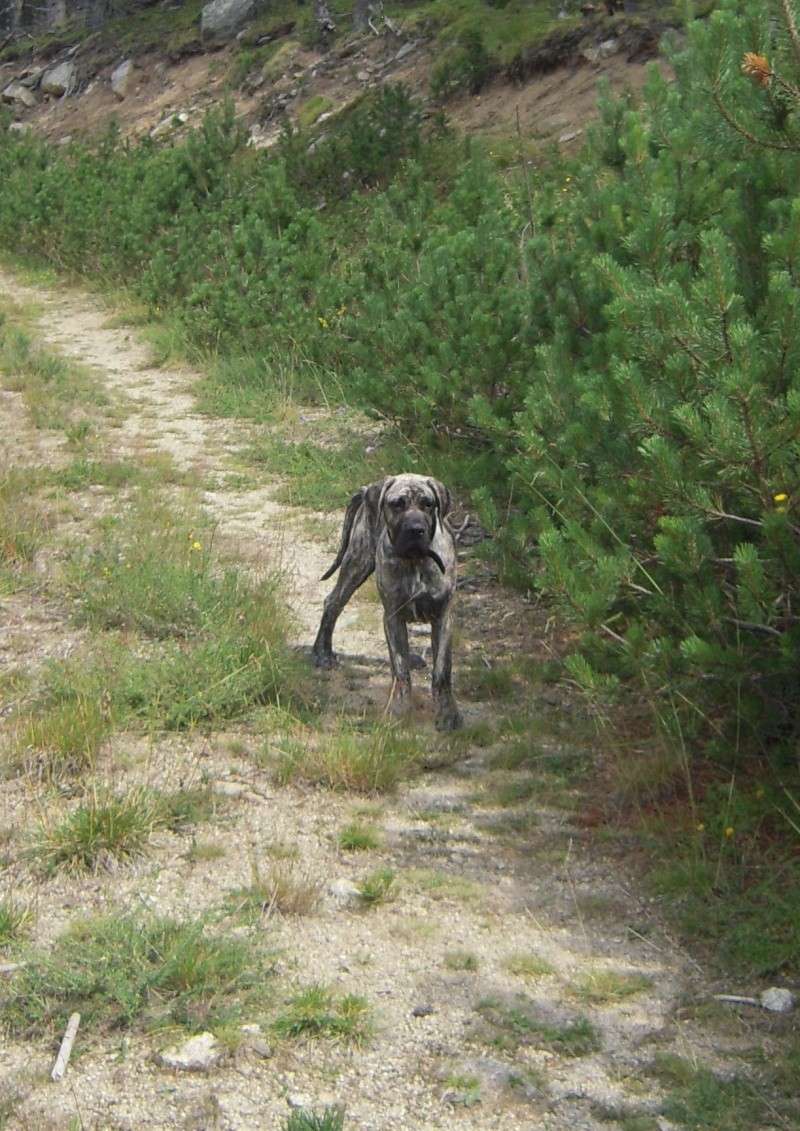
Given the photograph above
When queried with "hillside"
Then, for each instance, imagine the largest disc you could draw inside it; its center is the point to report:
(155, 71)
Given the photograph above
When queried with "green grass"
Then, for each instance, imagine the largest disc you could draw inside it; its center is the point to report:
(444, 885)
(283, 887)
(331, 1119)
(359, 838)
(461, 960)
(313, 109)
(190, 805)
(318, 1012)
(53, 388)
(373, 761)
(122, 972)
(59, 739)
(23, 523)
(15, 920)
(526, 964)
(511, 1025)
(377, 887)
(698, 1100)
(103, 831)
(603, 987)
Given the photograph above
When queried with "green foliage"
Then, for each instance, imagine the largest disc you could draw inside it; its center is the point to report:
(318, 1012)
(121, 972)
(331, 1119)
(464, 69)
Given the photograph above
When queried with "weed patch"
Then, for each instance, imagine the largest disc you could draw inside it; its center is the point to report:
(283, 887)
(331, 1119)
(317, 1012)
(15, 920)
(605, 987)
(461, 960)
(518, 1022)
(375, 761)
(359, 838)
(124, 972)
(100, 833)
(377, 887)
(529, 966)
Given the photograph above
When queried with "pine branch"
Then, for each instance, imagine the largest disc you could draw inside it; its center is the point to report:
(782, 147)
(791, 25)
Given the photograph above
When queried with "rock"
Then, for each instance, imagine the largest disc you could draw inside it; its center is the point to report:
(422, 1010)
(121, 79)
(406, 49)
(221, 19)
(570, 135)
(603, 50)
(19, 95)
(297, 1101)
(777, 1000)
(363, 76)
(170, 123)
(20, 127)
(61, 79)
(345, 893)
(198, 1054)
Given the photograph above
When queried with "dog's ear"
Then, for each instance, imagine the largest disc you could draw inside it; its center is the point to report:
(444, 502)
(373, 497)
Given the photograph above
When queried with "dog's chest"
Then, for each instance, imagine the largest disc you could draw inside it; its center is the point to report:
(413, 593)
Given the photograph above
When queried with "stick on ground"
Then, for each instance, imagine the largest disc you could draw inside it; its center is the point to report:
(62, 1060)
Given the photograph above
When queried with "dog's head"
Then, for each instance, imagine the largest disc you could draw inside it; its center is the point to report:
(410, 506)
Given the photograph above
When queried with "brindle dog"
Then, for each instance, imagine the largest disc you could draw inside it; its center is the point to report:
(398, 528)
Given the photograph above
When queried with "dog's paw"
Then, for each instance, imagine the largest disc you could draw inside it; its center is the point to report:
(449, 718)
(324, 660)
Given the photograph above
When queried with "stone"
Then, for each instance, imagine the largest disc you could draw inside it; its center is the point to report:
(19, 95)
(406, 49)
(122, 78)
(222, 19)
(198, 1054)
(170, 123)
(20, 127)
(363, 76)
(777, 1000)
(345, 893)
(59, 80)
(422, 1010)
(298, 1101)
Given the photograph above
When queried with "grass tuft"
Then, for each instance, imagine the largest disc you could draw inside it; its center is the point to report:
(372, 762)
(461, 960)
(125, 971)
(608, 986)
(331, 1119)
(377, 887)
(285, 887)
(528, 965)
(15, 920)
(102, 832)
(317, 1012)
(359, 838)
(519, 1023)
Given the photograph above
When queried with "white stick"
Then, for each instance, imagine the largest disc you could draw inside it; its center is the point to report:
(62, 1060)
(736, 999)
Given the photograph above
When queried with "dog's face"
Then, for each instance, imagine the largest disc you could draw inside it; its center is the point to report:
(411, 505)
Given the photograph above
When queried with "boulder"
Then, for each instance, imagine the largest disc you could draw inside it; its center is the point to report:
(18, 94)
(61, 79)
(221, 19)
(122, 79)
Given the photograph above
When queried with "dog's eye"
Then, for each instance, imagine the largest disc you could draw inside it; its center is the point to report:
(427, 504)
(397, 504)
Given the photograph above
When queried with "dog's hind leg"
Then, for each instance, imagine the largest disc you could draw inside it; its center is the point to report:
(354, 572)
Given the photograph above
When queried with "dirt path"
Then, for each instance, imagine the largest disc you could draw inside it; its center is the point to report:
(510, 922)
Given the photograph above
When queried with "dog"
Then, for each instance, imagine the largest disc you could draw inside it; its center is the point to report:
(398, 529)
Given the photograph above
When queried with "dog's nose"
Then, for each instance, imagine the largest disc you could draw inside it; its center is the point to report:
(416, 529)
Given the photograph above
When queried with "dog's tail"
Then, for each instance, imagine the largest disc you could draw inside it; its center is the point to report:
(353, 508)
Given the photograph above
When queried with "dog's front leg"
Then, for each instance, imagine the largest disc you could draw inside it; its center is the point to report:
(397, 640)
(448, 716)
(354, 572)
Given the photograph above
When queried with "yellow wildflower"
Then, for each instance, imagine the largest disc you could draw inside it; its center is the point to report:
(323, 323)
(729, 832)
(197, 545)
(781, 497)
